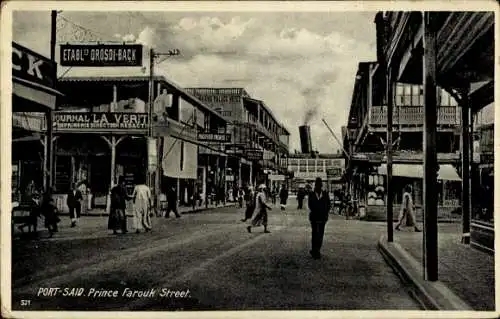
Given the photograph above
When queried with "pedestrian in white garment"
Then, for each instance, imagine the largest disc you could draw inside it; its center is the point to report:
(142, 205)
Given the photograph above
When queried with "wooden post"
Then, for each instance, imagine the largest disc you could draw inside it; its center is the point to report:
(466, 212)
(239, 172)
(390, 193)
(207, 173)
(158, 173)
(430, 153)
(224, 180)
(45, 162)
(217, 179)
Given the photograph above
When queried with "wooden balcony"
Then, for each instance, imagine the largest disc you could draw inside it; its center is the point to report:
(413, 115)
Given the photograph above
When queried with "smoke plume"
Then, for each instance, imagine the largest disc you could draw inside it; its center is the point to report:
(314, 94)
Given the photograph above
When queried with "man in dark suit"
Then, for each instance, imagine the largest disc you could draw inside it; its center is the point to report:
(319, 206)
(74, 204)
(172, 203)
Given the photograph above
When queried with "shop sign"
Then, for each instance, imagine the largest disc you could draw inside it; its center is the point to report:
(33, 67)
(276, 177)
(101, 55)
(254, 154)
(100, 121)
(213, 137)
(234, 148)
(333, 172)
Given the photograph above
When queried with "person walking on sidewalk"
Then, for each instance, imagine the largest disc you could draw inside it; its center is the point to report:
(172, 202)
(241, 195)
(142, 205)
(50, 213)
(283, 196)
(301, 194)
(74, 204)
(250, 204)
(261, 207)
(407, 210)
(117, 215)
(319, 207)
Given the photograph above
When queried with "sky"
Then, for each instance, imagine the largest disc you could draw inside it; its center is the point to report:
(302, 65)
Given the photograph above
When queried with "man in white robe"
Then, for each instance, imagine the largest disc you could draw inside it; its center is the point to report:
(142, 204)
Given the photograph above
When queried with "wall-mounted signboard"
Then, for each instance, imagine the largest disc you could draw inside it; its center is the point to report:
(334, 172)
(100, 122)
(254, 154)
(211, 137)
(33, 67)
(234, 148)
(101, 55)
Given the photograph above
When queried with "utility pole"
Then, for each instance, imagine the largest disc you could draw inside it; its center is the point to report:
(390, 192)
(430, 153)
(49, 160)
(151, 97)
(466, 161)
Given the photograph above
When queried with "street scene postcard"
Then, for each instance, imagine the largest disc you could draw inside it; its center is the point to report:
(222, 158)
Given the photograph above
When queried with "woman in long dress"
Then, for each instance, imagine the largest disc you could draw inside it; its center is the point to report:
(283, 197)
(407, 210)
(261, 207)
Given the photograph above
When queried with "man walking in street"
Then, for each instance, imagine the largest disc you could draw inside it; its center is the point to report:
(319, 206)
(172, 203)
(301, 194)
(117, 215)
(142, 205)
(74, 204)
(250, 204)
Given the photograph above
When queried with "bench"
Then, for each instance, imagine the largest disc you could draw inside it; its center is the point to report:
(22, 214)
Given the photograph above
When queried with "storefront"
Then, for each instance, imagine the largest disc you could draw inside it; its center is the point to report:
(33, 100)
(370, 185)
(93, 149)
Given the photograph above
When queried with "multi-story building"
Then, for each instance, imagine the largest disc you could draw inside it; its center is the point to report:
(463, 60)
(366, 142)
(306, 168)
(33, 100)
(104, 130)
(256, 135)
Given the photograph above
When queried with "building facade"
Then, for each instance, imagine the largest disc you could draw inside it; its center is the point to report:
(366, 142)
(463, 65)
(306, 168)
(258, 140)
(104, 130)
(34, 98)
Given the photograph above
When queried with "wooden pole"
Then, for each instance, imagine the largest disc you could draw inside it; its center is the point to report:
(49, 167)
(390, 193)
(430, 153)
(466, 213)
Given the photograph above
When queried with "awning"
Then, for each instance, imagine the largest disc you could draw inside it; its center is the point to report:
(446, 171)
(180, 159)
(34, 95)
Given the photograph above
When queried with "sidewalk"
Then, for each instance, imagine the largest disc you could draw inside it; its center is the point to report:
(182, 210)
(469, 274)
(94, 224)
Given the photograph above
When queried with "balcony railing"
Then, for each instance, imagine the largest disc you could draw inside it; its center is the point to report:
(413, 115)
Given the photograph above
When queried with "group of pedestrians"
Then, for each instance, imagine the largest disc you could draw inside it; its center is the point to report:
(143, 206)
